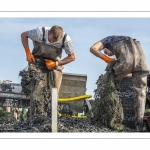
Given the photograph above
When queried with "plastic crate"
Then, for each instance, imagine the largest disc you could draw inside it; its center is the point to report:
(127, 99)
(125, 84)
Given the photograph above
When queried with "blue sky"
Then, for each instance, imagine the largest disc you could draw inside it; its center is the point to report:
(84, 32)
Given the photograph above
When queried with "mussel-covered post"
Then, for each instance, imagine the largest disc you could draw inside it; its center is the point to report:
(54, 109)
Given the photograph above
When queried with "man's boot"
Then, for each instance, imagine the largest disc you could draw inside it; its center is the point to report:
(139, 126)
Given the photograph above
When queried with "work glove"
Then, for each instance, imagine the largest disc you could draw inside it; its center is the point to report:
(107, 59)
(29, 56)
(50, 64)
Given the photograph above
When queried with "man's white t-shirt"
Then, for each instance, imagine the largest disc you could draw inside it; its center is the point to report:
(37, 35)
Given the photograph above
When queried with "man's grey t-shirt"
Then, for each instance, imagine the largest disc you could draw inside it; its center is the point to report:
(37, 35)
(110, 41)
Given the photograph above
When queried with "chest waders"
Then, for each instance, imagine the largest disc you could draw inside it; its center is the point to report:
(131, 59)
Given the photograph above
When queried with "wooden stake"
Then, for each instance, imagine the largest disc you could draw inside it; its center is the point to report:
(54, 109)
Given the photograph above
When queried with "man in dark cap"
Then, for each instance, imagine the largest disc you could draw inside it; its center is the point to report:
(130, 59)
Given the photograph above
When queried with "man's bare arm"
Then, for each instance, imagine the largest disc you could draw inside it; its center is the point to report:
(96, 48)
(71, 57)
(24, 39)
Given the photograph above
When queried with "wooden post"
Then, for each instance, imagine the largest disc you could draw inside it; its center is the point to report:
(89, 106)
(8, 109)
(15, 113)
(31, 100)
(54, 109)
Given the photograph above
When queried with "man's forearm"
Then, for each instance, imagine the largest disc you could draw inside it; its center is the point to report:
(97, 53)
(24, 39)
(70, 58)
(96, 48)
